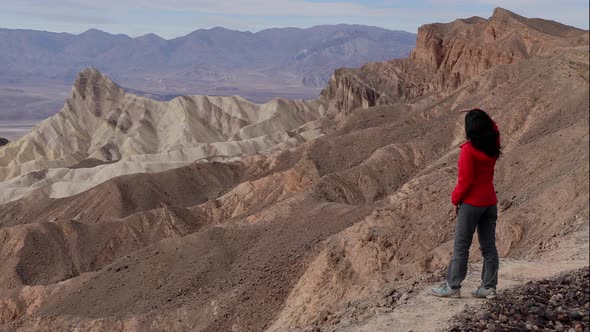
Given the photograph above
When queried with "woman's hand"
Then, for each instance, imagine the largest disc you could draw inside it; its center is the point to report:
(456, 209)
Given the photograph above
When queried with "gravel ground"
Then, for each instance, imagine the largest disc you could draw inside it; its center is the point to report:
(558, 304)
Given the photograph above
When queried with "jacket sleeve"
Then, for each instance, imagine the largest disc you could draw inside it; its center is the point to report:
(465, 177)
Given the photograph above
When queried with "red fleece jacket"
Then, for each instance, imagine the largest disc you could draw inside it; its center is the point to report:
(475, 182)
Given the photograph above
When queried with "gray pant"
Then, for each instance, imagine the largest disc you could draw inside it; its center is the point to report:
(469, 219)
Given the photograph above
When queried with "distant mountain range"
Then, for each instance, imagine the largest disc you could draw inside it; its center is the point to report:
(288, 62)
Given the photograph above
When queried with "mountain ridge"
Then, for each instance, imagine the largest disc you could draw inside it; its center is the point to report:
(266, 30)
(290, 63)
(470, 47)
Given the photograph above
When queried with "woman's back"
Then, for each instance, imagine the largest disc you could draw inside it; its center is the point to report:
(479, 190)
(477, 160)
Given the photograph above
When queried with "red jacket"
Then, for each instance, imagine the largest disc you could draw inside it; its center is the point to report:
(475, 182)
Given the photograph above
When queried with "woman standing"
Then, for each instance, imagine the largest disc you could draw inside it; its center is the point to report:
(475, 202)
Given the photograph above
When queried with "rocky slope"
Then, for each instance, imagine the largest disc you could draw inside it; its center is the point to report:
(408, 234)
(3, 141)
(304, 237)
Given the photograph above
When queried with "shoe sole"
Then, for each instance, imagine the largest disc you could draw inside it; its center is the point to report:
(490, 296)
(452, 296)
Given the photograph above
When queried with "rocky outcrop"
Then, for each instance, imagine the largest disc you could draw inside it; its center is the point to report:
(456, 52)
(448, 55)
(3, 141)
(347, 91)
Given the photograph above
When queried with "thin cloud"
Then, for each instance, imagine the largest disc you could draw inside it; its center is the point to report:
(226, 7)
(174, 18)
(65, 17)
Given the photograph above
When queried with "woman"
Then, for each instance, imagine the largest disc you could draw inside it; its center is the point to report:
(475, 202)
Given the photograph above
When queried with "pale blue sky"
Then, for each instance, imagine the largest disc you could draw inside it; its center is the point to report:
(173, 18)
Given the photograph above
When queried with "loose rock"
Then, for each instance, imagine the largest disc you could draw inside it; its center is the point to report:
(559, 304)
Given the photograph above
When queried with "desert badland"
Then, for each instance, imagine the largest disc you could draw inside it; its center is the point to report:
(208, 213)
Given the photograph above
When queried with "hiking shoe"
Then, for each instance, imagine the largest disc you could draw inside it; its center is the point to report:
(445, 291)
(484, 293)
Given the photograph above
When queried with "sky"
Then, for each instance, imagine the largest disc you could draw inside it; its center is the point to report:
(174, 18)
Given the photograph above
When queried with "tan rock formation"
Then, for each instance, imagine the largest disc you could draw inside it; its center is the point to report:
(102, 122)
(446, 56)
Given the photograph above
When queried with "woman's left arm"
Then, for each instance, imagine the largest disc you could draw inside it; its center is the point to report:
(465, 176)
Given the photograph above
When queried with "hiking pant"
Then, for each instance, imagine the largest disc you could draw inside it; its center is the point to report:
(469, 219)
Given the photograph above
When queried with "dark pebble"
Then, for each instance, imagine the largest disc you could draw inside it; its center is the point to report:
(574, 315)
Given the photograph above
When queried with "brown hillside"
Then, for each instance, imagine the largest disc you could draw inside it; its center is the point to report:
(312, 236)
